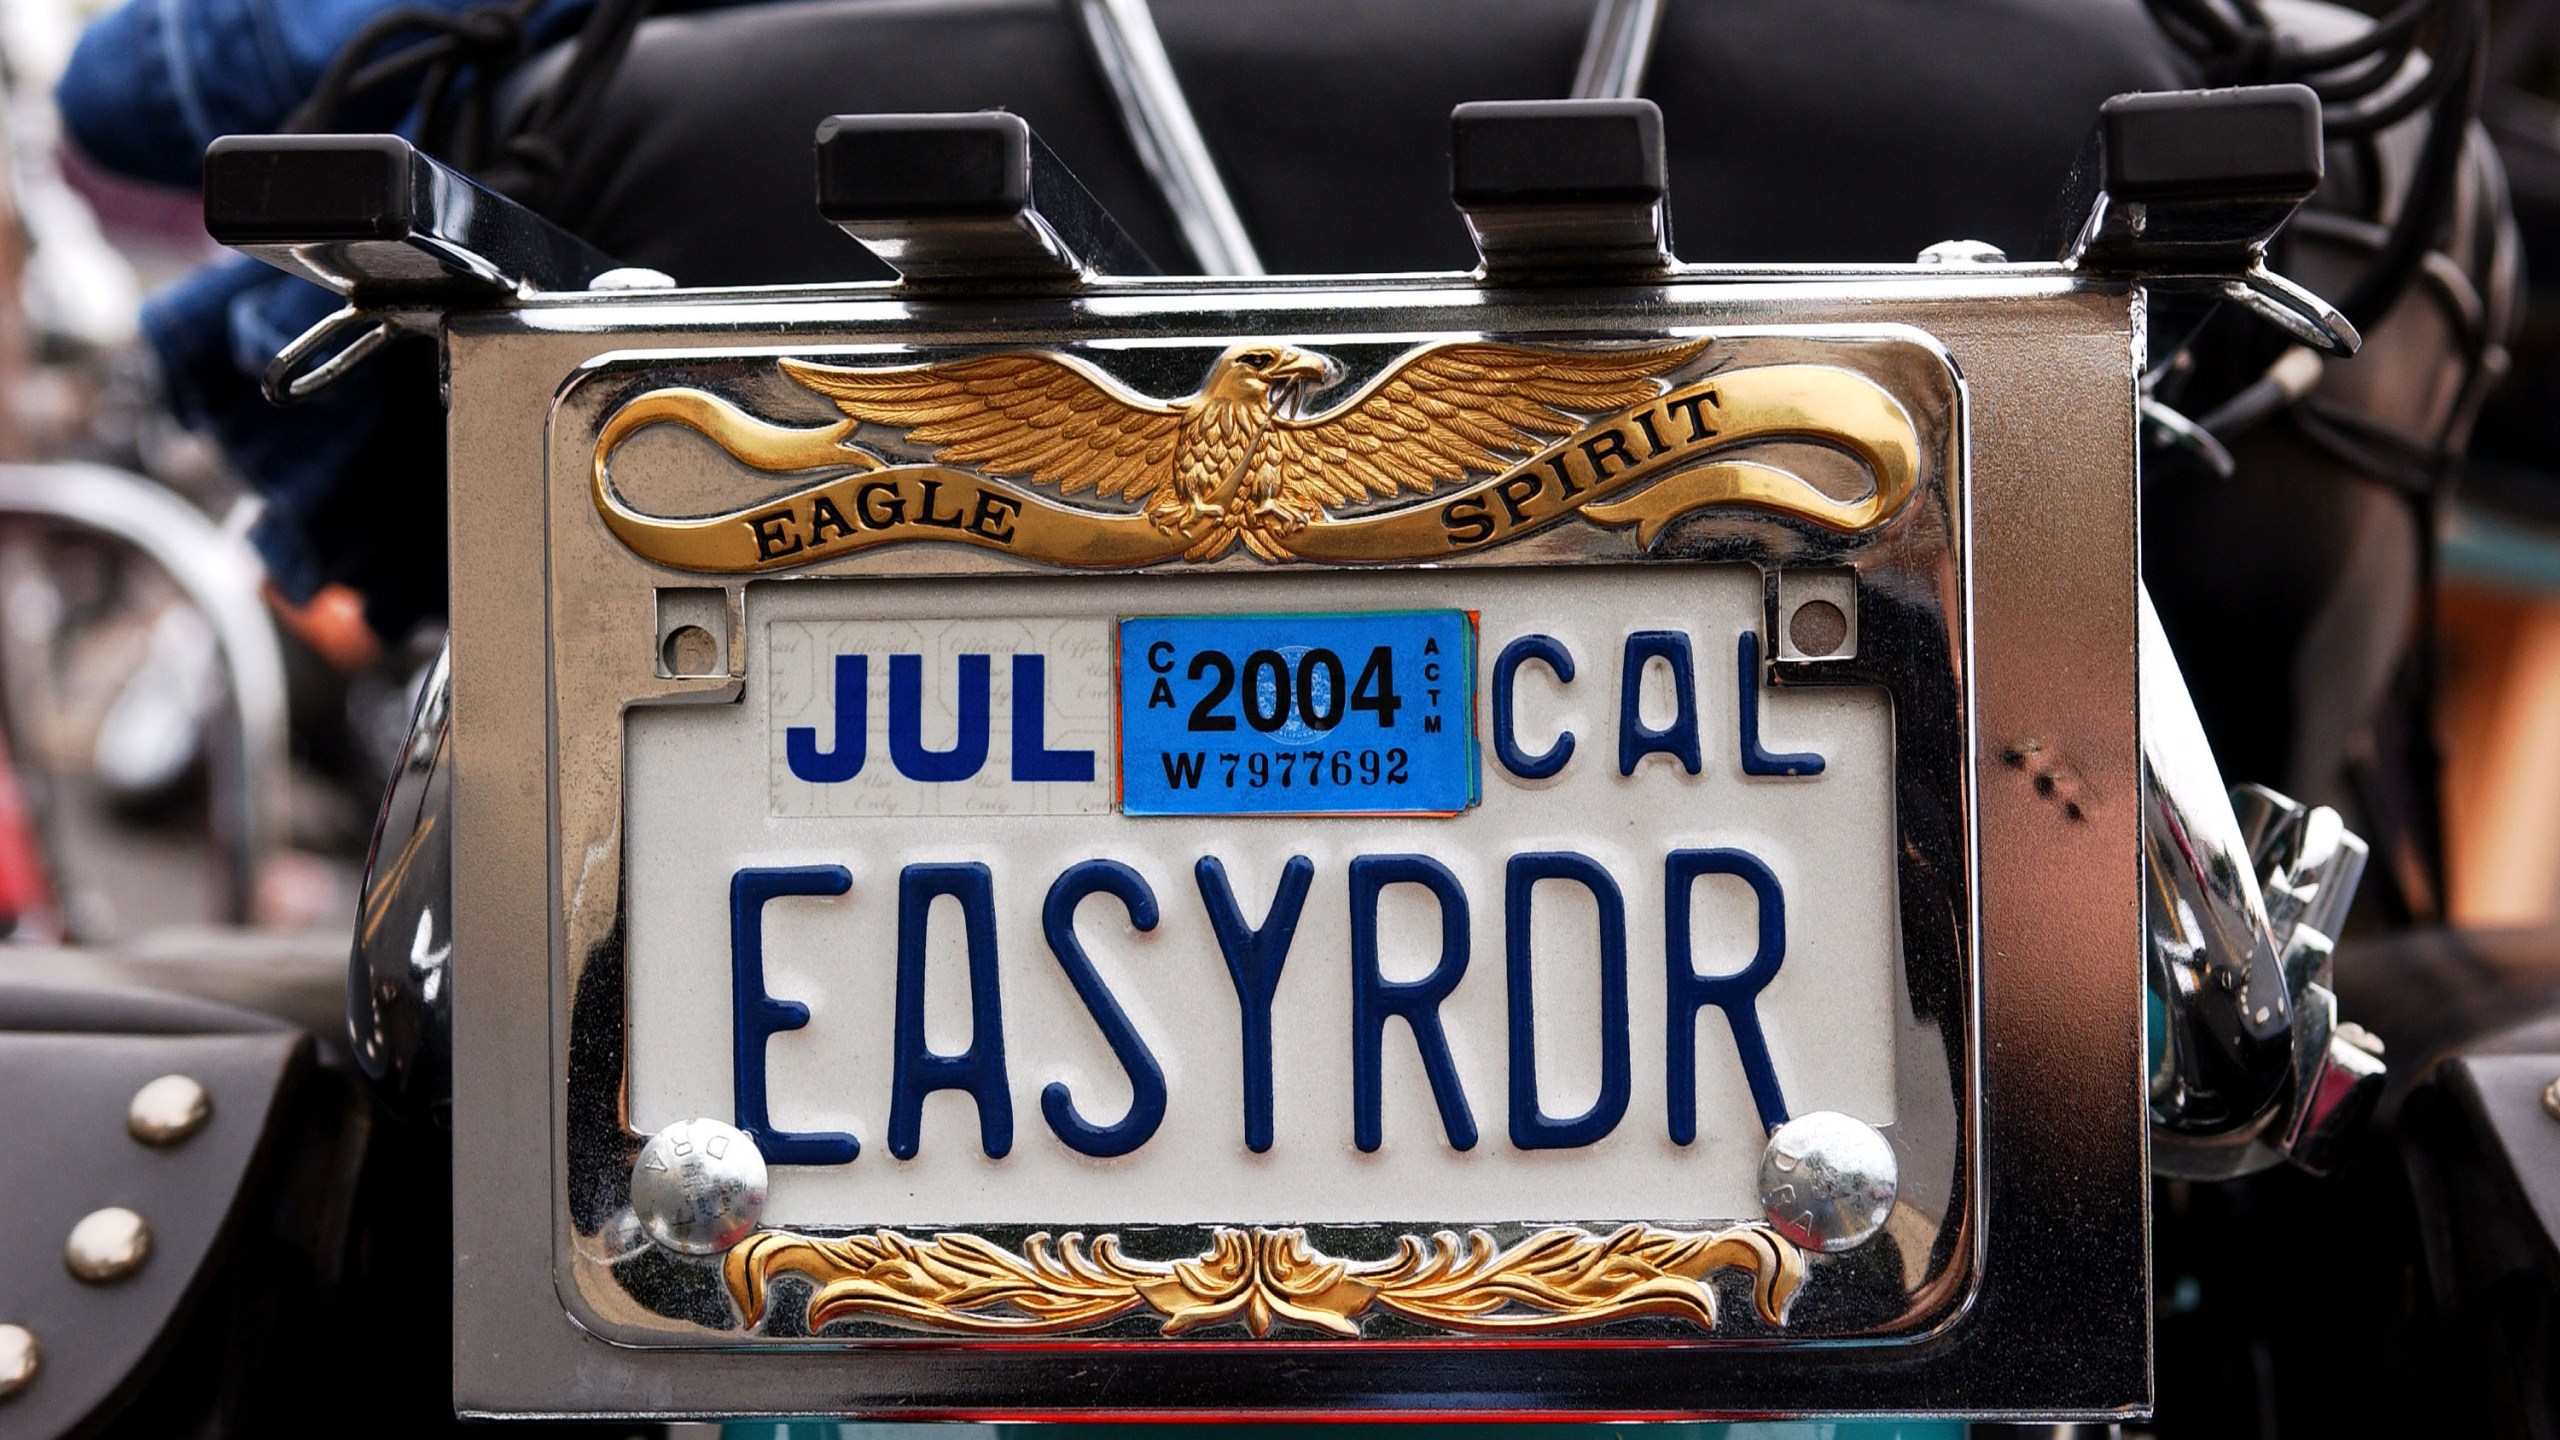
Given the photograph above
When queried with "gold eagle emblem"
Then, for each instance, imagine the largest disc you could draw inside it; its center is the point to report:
(1238, 460)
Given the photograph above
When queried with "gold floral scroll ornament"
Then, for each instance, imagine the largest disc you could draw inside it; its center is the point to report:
(1040, 455)
(1556, 1279)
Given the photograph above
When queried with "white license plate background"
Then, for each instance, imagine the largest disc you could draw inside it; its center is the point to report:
(705, 797)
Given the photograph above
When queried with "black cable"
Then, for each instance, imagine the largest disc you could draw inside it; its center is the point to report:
(533, 156)
(2204, 46)
(2356, 82)
(2399, 28)
(354, 71)
(2249, 49)
(2464, 30)
(2445, 77)
(497, 35)
(599, 46)
(2431, 187)
(457, 64)
(2202, 18)
(2371, 64)
(453, 94)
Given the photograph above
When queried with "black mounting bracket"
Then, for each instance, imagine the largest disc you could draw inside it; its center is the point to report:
(2183, 189)
(970, 199)
(401, 235)
(1562, 191)
(376, 220)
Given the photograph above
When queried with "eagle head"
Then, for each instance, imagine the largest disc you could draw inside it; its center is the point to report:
(1266, 377)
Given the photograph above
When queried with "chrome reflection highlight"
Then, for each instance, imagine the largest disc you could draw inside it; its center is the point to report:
(2246, 890)
(1130, 52)
(399, 1001)
(2308, 865)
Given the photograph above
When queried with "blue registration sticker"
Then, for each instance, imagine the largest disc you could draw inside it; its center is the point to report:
(1369, 714)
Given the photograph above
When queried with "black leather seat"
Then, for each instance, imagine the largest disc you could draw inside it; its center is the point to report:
(1798, 130)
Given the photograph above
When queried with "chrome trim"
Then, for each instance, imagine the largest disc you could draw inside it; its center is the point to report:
(2246, 891)
(292, 377)
(399, 970)
(2048, 1316)
(1909, 598)
(2308, 866)
(1617, 50)
(1132, 58)
(2226, 1037)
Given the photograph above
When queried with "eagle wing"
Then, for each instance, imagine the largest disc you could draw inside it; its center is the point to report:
(1452, 410)
(1035, 416)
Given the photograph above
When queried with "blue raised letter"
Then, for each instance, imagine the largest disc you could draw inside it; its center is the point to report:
(917, 1070)
(1254, 958)
(1506, 745)
(1146, 1077)
(1756, 761)
(1374, 997)
(755, 1016)
(853, 729)
(1531, 1128)
(1637, 739)
(968, 749)
(1737, 994)
(1032, 757)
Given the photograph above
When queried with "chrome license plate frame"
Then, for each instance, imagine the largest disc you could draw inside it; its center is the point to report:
(605, 610)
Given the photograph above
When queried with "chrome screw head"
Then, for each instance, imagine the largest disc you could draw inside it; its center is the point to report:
(633, 277)
(107, 1245)
(19, 1357)
(1827, 1181)
(698, 1186)
(168, 1110)
(2551, 1099)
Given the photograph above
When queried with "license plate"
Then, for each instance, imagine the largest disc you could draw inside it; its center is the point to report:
(1217, 920)
(1029, 1005)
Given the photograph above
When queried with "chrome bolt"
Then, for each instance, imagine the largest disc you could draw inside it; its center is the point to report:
(633, 277)
(698, 1186)
(19, 1357)
(168, 1110)
(1827, 1181)
(1964, 252)
(107, 1245)
(2551, 1099)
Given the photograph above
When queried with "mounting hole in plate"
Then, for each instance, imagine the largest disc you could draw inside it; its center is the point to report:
(1817, 627)
(690, 650)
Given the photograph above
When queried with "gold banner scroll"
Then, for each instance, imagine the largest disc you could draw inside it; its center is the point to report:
(1642, 466)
